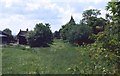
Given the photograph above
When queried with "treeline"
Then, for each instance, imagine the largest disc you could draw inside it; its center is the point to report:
(74, 33)
(79, 33)
(94, 29)
(91, 29)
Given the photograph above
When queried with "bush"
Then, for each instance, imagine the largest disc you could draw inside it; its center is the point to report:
(41, 36)
(109, 40)
(56, 34)
(65, 30)
(77, 33)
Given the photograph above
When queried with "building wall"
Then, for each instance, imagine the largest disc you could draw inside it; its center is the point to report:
(3, 40)
(22, 40)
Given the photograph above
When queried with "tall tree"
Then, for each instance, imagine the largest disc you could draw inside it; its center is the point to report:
(114, 8)
(40, 36)
(7, 31)
(89, 16)
(9, 35)
(66, 28)
(113, 42)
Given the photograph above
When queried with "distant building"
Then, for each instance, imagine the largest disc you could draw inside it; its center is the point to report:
(22, 37)
(4, 38)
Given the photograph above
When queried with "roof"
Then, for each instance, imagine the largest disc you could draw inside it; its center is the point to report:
(22, 33)
(2, 34)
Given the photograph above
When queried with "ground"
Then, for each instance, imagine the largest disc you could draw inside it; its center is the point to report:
(59, 58)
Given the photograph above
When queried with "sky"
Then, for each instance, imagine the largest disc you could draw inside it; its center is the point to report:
(23, 14)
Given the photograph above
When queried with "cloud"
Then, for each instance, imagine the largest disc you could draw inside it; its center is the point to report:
(32, 5)
(93, 1)
(89, 7)
(102, 10)
(9, 3)
(90, 1)
(18, 22)
(22, 14)
(64, 12)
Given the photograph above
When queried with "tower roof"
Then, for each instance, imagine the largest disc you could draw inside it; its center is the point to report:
(72, 21)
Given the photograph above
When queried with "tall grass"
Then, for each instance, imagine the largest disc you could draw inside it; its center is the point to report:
(59, 58)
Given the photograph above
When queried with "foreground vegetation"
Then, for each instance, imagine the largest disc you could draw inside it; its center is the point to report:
(60, 58)
(90, 47)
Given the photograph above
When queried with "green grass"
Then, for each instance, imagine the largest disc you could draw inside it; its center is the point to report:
(60, 58)
(0, 60)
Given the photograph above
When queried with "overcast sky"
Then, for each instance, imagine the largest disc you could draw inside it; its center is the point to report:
(22, 14)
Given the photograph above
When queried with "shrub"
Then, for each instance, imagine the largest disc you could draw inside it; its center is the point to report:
(77, 33)
(56, 34)
(41, 36)
(109, 41)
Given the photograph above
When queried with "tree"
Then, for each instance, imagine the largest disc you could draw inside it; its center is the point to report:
(110, 37)
(79, 34)
(113, 30)
(66, 28)
(90, 15)
(90, 18)
(56, 34)
(7, 31)
(9, 35)
(99, 25)
(41, 36)
(76, 33)
(114, 8)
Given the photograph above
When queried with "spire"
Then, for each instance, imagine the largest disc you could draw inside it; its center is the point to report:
(72, 21)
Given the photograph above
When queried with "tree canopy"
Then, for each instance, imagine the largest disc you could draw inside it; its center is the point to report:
(90, 15)
(75, 33)
(7, 31)
(114, 9)
(41, 36)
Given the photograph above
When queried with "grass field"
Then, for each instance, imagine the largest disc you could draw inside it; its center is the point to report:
(60, 58)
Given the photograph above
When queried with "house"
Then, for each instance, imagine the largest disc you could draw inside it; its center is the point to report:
(4, 38)
(22, 37)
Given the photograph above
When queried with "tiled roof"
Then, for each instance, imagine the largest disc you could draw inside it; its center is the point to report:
(22, 33)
